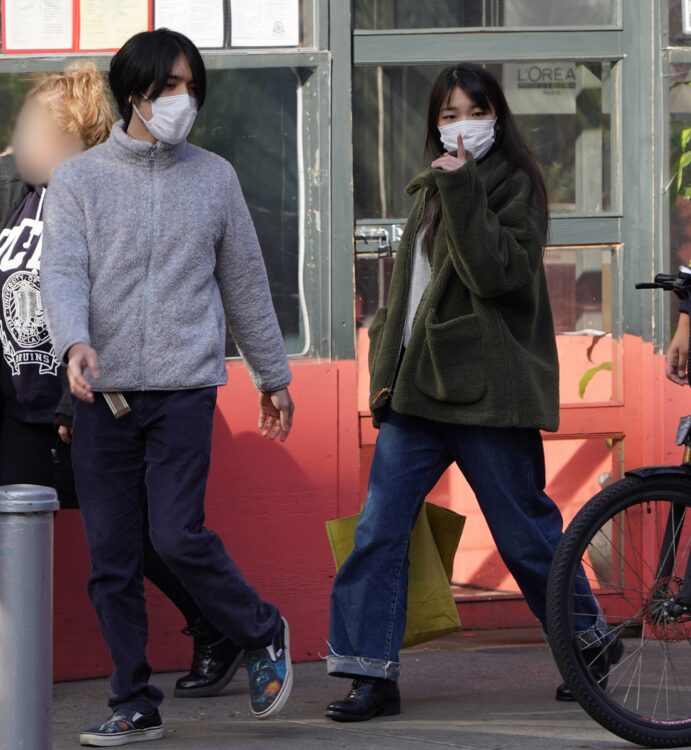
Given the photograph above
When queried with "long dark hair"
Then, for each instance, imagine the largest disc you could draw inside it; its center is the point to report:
(484, 90)
(145, 60)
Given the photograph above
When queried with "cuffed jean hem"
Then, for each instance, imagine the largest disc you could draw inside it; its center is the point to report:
(359, 666)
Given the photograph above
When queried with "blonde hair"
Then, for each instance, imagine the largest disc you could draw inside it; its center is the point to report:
(79, 101)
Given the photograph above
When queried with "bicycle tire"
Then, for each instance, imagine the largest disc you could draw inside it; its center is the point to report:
(568, 555)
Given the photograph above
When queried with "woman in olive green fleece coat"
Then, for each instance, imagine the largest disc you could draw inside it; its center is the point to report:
(463, 366)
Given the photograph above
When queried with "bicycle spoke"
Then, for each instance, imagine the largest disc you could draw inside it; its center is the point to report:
(659, 688)
(625, 662)
(675, 677)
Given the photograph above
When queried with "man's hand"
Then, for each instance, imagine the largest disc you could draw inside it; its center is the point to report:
(79, 358)
(65, 434)
(449, 162)
(276, 414)
(677, 359)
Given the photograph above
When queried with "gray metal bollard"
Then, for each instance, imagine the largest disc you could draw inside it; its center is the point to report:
(26, 616)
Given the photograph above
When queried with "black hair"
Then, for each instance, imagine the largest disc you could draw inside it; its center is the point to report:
(484, 90)
(145, 61)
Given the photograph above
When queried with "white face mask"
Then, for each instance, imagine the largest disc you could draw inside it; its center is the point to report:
(478, 136)
(172, 117)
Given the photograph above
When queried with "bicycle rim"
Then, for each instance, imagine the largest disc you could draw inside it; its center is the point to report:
(632, 544)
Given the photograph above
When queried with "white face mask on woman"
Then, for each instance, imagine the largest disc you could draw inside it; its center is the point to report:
(172, 117)
(478, 136)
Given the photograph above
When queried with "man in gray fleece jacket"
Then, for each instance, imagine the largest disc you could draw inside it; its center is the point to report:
(148, 249)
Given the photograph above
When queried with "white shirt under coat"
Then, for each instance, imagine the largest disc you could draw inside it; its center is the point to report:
(420, 277)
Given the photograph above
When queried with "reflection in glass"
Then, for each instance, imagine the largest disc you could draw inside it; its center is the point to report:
(580, 288)
(250, 118)
(562, 108)
(428, 14)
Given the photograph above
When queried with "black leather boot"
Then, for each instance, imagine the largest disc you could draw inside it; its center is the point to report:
(600, 661)
(369, 697)
(214, 662)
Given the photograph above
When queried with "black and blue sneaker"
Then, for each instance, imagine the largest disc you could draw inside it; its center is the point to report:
(270, 674)
(124, 726)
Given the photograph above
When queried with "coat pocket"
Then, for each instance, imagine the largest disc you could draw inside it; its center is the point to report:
(374, 332)
(450, 368)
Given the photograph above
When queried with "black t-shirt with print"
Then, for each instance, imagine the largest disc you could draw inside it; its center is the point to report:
(28, 365)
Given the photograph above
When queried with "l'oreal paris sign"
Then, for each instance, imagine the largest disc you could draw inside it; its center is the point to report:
(541, 88)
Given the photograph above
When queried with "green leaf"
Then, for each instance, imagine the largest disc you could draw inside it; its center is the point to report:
(588, 375)
(685, 138)
(684, 161)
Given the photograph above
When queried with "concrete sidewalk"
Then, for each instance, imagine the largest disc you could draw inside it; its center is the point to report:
(472, 691)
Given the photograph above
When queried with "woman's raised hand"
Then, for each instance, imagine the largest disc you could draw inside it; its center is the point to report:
(449, 162)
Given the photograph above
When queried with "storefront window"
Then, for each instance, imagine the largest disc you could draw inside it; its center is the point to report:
(250, 118)
(562, 108)
(427, 14)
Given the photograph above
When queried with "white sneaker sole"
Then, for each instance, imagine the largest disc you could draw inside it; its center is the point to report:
(279, 704)
(103, 740)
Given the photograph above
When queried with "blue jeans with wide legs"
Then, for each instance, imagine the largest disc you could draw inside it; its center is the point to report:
(505, 468)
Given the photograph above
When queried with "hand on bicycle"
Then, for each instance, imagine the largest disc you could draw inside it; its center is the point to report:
(676, 361)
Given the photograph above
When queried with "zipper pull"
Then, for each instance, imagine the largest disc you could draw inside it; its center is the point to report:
(152, 153)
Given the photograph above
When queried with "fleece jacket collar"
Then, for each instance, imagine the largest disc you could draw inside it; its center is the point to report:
(136, 151)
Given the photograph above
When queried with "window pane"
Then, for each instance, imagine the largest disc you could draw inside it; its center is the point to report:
(580, 288)
(428, 14)
(562, 108)
(250, 118)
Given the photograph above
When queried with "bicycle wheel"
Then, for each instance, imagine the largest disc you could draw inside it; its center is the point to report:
(631, 544)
